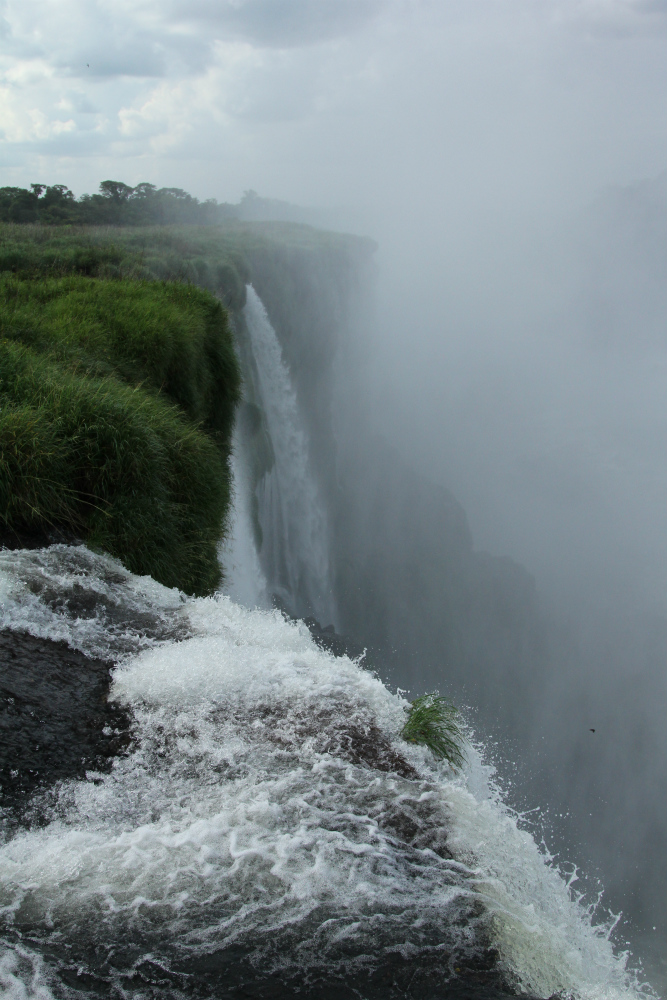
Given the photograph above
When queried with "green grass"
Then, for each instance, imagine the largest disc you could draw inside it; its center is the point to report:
(173, 339)
(217, 258)
(433, 722)
(117, 404)
(210, 258)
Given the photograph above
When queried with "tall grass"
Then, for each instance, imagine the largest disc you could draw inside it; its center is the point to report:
(171, 338)
(211, 258)
(116, 410)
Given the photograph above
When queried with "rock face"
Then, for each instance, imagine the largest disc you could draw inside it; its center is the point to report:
(55, 719)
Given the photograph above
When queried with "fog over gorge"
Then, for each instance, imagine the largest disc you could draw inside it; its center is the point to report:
(542, 409)
(471, 481)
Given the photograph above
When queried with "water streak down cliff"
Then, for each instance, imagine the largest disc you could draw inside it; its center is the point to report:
(291, 515)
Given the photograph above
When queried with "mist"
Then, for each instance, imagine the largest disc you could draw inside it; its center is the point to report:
(532, 386)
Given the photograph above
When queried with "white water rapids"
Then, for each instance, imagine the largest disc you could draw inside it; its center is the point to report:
(259, 816)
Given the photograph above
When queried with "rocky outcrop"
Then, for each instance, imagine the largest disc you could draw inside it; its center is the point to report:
(56, 721)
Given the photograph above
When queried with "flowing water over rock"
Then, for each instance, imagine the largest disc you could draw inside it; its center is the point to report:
(264, 832)
(200, 800)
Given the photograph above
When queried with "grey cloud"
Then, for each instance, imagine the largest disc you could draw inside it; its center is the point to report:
(82, 106)
(113, 50)
(117, 59)
(89, 43)
(290, 23)
(653, 7)
(623, 20)
(84, 142)
(181, 39)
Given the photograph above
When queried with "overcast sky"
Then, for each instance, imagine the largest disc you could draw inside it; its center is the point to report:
(333, 102)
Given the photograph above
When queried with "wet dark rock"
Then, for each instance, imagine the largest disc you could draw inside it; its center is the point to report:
(10, 538)
(228, 975)
(335, 730)
(327, 638)
(55, 718)
(78, 601)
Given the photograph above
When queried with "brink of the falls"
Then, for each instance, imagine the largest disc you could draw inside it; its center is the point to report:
(266, 829)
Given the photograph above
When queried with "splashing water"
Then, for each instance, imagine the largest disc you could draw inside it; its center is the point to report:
(267, 818)
(295, 547)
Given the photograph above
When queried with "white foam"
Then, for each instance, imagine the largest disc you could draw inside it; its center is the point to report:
(22, 975)
(68, 593)
(231, 823)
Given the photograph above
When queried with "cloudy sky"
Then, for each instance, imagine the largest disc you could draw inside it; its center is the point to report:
(355, 102)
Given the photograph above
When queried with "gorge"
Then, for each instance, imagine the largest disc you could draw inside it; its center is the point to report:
(258, 827)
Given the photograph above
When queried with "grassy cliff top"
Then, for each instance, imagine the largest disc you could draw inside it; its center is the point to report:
(214, 257)
(117, 402)
(119, 379)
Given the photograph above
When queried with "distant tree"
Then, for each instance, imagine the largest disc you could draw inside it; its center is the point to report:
(116, 204)
(116, 190)
(144, 190)
(24, 206)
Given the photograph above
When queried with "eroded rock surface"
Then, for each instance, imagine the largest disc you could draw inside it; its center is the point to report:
(55, 719)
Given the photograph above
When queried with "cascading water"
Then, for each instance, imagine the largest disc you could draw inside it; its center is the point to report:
(267, 829)
(295, 537)
(244, 582)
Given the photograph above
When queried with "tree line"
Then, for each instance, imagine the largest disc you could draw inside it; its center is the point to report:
(117, 204)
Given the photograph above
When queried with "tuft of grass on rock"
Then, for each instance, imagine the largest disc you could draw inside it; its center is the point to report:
(433, 722)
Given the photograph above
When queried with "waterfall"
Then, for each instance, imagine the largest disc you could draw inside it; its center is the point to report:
(244, 580)
(264, 830)
(295, 537)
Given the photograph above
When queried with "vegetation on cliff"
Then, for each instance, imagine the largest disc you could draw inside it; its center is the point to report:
(117, 403)
(120, 377)
(206, 257)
